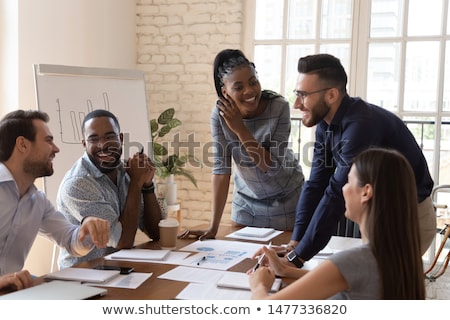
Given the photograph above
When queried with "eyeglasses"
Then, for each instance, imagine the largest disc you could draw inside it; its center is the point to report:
(303, 94)
(110, 137)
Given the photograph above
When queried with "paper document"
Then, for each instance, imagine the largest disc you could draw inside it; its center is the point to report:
(205, 291)
(260, 235)
(140, 254)
(127, 281)
(236, 248)
(83, 275)
(254, 232)
(174, 257)
(239, 280)
(56, 290)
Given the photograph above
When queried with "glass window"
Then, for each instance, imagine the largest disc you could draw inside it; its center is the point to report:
(336, 22)
(268, 65)
(269, 19)
(424, 17)
(386, 18)
(421, 75)
(302, 19)
(383, 74)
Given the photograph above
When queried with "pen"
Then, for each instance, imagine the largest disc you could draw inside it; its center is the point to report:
(260, 260)
(201, 260)
(142, 150)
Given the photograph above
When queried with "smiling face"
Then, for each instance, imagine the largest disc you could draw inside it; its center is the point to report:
(243, 87)
(38, 163)
(313, 106)
(103, 143)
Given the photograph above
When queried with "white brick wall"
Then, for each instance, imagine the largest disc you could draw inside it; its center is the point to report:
(177, 41)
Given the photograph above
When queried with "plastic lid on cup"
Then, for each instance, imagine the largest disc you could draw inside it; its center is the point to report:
(168, 223)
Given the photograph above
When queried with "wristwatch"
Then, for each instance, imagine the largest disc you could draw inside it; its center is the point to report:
(292, 257)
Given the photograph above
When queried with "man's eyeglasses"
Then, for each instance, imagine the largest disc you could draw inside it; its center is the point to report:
(110, 137)
(303, 94)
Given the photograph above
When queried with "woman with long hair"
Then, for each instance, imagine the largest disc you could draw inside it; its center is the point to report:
(381, 197)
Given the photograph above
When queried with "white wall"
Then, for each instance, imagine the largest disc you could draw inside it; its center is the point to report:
(83, 32)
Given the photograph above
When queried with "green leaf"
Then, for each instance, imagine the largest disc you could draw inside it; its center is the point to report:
(164, 130)
(159, 149)
(166, 116)
(153, 126)
(173, 123)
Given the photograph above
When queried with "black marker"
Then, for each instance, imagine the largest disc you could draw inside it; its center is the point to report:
(142, 151)
(201, 260)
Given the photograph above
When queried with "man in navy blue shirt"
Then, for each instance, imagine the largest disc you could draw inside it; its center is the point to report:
(345, 127)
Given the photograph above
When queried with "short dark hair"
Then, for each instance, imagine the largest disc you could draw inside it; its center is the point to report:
(327, 68)
(97, 114)
(225, 62)
(15, 124)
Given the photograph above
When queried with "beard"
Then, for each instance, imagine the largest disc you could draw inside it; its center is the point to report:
(316, 114)
(107, 166)
(38, 168)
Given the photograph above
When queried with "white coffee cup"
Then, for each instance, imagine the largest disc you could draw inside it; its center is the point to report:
(168, 231)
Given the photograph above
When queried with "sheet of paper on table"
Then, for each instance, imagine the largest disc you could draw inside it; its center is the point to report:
(127, 281)
(255, 234)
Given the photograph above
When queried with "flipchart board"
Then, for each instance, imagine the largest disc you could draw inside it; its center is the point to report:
(68, 93)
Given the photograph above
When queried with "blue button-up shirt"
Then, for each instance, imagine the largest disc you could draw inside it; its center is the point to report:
(356, 126)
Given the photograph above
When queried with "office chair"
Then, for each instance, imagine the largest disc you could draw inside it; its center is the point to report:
(347, 228)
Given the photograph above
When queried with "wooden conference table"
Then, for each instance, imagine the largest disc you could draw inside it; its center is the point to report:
(161, 289)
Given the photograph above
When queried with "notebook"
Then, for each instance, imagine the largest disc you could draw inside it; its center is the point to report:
(83, 275)
(140, 254)
(239, 280)
(56, 290)
(254, 232)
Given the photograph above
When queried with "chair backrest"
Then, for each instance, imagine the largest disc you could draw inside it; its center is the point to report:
(347, 228)
(441, 196)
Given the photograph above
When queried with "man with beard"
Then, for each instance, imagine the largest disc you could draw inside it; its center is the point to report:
(26, 153)
(345, 127)
(100, 184)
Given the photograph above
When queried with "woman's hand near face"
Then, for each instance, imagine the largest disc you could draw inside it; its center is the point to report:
(230, 113)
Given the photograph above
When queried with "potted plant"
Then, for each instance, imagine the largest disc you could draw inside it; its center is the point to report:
(168, 166)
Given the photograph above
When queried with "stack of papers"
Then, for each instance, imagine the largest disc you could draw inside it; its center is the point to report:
(140, 254)
(83, 275)
(254, 232)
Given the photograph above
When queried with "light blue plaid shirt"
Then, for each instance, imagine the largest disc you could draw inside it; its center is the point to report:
(85, 191)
